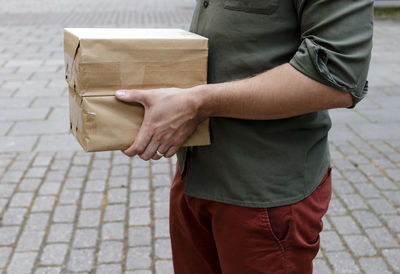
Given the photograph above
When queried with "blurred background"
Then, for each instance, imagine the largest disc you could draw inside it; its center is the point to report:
(66, 211)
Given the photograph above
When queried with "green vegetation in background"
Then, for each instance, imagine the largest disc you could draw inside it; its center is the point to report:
(387, 12)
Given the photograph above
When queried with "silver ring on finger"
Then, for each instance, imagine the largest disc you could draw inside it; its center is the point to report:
(159, 154)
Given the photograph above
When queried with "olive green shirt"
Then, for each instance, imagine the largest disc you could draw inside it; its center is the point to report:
(276, 162)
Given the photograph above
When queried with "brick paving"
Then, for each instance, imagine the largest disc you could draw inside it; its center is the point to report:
(66, 211)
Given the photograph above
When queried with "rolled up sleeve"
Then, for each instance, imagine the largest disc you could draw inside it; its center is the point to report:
(336, 43)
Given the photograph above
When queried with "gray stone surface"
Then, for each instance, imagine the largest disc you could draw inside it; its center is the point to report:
(110, 251)
(360, 245)
(109, 269)
(64, 211)
(342, 262)
(22, 263)
(60, 233)
(54, 254)
(85, 238)
(8, 234)
(30, 240)
(81, 260)
(374, 265)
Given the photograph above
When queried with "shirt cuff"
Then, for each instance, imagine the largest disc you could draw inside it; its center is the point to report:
(312, 60)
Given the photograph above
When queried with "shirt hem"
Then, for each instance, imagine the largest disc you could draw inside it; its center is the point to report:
(251, 204)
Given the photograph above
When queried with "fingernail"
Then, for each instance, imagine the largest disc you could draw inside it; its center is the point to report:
(121, 93)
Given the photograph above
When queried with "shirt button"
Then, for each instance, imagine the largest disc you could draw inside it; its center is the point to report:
(205, 4)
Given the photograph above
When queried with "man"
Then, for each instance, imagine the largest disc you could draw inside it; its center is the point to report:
(254, 199)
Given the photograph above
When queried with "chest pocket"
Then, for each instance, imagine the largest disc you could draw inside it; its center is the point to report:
(253, 6)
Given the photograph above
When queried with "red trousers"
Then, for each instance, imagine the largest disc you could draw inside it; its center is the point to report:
(209, 237)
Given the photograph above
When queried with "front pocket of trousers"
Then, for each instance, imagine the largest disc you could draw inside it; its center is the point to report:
(267, 7)
(278, 221)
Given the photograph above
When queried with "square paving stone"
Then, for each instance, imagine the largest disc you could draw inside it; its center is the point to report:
(163, 248)
(381, 237)
(330, 241)
(354, 201)
(49, 188)
(138, 258)
(345, 225)
(21, 199)
(374, 266)
(138, 184)
(110, 251)
(139, 236)
(366, 219)
(4, 255)
(109, 269)
(393, 255)
(321, 267)
(113, 231)
(43, 203)
(342, 262)
(92, 200)
(29, 184)
(381, 206)
(393, 222)
(139, 216)
(360, 245)
(89, 218)
(54, 254)
(164, 267)
(60, 233)
(161, 180)
(161, 228)
(138, 199)
(64, 213)
(37, 221)
(22, 262)
(81, 260)
(95, 186)
(36, 172)
(6, 190)
(69, 196)
(30, 241)
(8, 234)
(161, 194)
(161, 210)
(14, 216)
(117, 195)
(85, 238)
(115, 213)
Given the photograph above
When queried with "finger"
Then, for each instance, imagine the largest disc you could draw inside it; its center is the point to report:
(132, 95)
(142, 139)
(156, 157)
(150, 150)
(163, 149)
(171, 151)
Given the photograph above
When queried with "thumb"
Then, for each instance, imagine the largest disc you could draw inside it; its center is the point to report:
(130, 96)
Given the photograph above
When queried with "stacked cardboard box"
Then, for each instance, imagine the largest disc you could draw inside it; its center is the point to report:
(100, 61)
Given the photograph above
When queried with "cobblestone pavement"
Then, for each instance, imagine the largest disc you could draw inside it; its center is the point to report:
(66, 211)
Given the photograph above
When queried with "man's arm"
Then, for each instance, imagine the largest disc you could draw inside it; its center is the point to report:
(171, 115)
(282, 92)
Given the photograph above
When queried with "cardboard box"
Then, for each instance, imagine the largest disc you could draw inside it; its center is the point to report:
(100, 61)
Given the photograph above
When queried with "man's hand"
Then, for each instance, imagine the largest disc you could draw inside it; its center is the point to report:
(170, 117)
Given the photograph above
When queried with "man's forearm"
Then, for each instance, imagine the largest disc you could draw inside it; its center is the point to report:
(278, 93)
